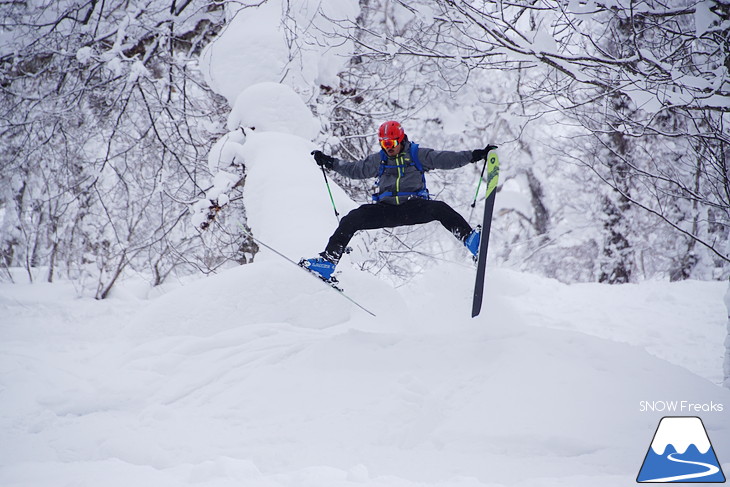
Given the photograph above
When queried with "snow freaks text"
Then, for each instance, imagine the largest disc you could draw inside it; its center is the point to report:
(682, 407)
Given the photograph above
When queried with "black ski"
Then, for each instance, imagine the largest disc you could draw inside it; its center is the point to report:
(492, 179)
(332, 284)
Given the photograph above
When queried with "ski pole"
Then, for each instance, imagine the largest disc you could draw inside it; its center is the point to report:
(479, 185)
(332, 200)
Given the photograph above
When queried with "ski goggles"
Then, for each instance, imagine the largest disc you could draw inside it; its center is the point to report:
(388, 143)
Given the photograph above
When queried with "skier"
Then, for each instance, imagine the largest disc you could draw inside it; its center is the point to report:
(402, 197)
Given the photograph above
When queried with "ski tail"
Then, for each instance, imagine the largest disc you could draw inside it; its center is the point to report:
(330, 282)
(492, 181)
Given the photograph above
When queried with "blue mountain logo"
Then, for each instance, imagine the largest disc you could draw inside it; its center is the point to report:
(681, 452)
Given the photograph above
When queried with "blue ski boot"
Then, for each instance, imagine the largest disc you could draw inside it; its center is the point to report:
(320, 266)
(472, 241)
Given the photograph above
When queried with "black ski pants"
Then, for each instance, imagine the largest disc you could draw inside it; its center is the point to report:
(383, 215)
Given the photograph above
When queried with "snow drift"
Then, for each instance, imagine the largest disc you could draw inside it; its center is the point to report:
(262, 376)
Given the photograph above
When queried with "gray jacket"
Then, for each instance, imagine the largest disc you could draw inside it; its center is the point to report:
(400, 179)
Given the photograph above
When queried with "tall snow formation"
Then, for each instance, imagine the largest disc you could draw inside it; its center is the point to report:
(263, 71)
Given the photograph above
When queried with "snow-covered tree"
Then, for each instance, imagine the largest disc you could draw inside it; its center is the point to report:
(611, 120)
(105, 126)
(632, 74)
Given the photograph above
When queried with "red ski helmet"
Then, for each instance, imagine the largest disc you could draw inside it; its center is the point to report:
(391, 133)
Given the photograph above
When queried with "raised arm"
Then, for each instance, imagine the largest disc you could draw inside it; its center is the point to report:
(363, 169)
(434, 159)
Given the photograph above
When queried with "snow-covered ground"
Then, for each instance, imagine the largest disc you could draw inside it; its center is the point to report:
(261, 376)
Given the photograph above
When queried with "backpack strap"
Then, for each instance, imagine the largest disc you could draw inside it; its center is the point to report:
(415, 161)
(383, 160)
(419, 166)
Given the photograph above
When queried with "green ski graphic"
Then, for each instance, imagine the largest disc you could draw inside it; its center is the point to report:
(492, 181)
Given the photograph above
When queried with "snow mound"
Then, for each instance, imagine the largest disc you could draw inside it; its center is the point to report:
(254, 294)
(273, 107)
(262, 376)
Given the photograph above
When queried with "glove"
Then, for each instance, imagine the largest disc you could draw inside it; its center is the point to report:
(323, 160)
(479, 154)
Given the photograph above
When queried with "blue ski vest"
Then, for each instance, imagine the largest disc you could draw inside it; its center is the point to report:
(403, 180)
